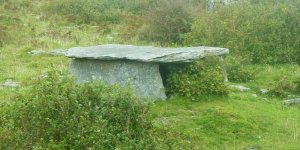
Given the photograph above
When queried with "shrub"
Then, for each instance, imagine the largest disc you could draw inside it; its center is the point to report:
(59, 114)
(267, 32)
(203, 77)
(166, 22)
(297, 85)
(282, 87)
(237, 70)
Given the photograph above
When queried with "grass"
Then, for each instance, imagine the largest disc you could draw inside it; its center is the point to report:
(238, 121)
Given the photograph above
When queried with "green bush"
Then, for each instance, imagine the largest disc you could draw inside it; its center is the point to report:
(203, 77)
(297, 85)
(281, 88)
(59, 114)
(166, 22)
(266, 32)
(237, 70)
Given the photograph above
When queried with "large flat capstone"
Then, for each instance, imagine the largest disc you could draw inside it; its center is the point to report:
(137, 66)
(144, 53)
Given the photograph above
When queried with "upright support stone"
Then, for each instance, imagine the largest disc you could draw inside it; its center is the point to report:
(144, 77)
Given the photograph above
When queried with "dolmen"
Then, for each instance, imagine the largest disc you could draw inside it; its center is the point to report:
(139, 66)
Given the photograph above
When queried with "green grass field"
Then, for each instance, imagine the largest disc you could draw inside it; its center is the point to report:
(237, 121)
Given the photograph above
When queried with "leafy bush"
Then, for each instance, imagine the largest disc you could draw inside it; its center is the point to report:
(203, 77)
(166, 22)
(282, 87)
(59, 114)
(266, 32)
(297, 85)
(237, 70)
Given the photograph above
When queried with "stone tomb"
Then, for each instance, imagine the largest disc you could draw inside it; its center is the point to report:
(138, 66)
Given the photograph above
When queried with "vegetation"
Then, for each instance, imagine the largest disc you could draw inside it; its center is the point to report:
(238, 71)
(59, 114)
(52, 112)
(167, 22)
(197, 79)
(265, 32)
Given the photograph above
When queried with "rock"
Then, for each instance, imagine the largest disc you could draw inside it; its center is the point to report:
(144, 53)
(251, 148)
(36, 52)
(291, 101)
(10, 83)
(138, 65)
(144, 77)
(254, 95)
(240, 88)
(264, 91)
(56, 52)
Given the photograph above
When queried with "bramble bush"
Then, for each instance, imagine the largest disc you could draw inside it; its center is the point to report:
(59, 114)
(266, 32)
(203, 77)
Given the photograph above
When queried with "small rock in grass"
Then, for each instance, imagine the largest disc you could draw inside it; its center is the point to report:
(264, 91)
(241, 88)
(292, 101)
(56, 52)
(10, 83)
(251, 148)
(36, 52)
(254, 95)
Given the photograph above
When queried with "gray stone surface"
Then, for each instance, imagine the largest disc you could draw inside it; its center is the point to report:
(56, 52)
(10, 83)
(240, 88)
(144, 53)
(144, 77)
(264, 91)
(292, 101)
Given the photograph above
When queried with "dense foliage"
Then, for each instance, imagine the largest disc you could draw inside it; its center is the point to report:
(167, 22)
(265, 32)
(237, 70)
(282, 87)
(59, 114)
(197, 79)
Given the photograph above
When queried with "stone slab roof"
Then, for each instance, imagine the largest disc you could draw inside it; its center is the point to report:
(144, 53)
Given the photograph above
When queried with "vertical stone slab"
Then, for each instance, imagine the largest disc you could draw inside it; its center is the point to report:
(144, 78)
